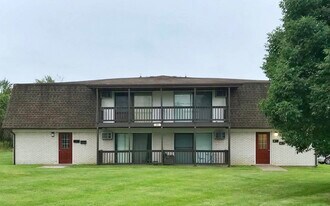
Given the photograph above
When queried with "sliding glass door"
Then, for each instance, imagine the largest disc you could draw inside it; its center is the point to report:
(141, 148)
(122, 148)
(142, 107)
(183, 146)
(121, 104)
(203, 109)
(203, 148)
(183, 103)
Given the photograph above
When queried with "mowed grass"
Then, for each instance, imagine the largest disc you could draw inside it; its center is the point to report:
(161, 185)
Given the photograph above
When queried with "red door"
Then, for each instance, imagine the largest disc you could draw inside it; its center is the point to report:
(263, 148)
(65, 148)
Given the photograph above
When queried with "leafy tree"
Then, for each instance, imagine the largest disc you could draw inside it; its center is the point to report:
(298, 66)
(45, 79)
(5, 91)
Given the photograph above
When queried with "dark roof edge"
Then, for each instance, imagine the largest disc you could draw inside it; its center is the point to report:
(252, 127)
(143, 85)
(51, 128)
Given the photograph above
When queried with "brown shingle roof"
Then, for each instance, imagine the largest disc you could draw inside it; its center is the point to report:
(72, 104)
(245, 112)
(51, 106)
(165, 81)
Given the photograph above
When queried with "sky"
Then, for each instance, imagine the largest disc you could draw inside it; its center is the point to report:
(100, 39)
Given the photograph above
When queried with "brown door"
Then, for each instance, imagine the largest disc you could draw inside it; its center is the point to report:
(263, 148)
(65, 148)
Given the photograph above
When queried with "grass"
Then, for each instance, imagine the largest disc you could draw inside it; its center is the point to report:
(161, 185)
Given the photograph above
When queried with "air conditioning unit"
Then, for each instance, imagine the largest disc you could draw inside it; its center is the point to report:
(221, 93)
(219, 135)
(106, 94)
(107, 135)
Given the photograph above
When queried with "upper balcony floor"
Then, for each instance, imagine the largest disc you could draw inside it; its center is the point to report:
(163, 108)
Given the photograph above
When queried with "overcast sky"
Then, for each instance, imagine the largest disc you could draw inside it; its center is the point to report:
(95, 39)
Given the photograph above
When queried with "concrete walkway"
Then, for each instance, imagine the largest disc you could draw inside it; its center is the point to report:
(271, 168)
(53, 166)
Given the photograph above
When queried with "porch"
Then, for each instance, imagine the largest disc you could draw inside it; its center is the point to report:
(164, 157)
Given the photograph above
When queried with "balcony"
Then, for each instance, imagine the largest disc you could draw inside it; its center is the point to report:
(168, 116)
(166, 157)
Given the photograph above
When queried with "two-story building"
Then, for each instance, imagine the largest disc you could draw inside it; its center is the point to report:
(146, 120)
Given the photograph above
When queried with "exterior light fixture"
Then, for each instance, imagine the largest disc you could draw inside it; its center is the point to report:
(275, 134)
(52, 134)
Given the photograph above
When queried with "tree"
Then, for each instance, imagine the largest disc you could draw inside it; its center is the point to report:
(45, 79)
(5, 91)
(298, 66)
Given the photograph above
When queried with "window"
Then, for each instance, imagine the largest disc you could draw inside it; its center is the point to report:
(262, 141)
(65, 141)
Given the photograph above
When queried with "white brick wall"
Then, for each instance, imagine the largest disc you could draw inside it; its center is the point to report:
(243, 150)
(242, 147)
(84, 153)
(36, 147)
(286, 155)
(39, 147)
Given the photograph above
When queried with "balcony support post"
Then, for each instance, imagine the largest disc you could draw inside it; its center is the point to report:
(97, 106)
(97, 127)
(161, 107)
(98, 157)
(229, 125)
(194, 146)
(194, 102)
(162, 145)
(129, 105)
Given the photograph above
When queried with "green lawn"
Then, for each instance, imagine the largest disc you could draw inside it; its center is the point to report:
(161, 185)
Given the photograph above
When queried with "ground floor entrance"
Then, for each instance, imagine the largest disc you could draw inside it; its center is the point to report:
(262, 147)
(65, 148)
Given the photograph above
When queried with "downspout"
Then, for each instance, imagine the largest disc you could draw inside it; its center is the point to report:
(14, 147)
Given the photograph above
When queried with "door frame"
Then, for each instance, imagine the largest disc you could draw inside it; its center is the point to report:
(256, 147)
(70, 145)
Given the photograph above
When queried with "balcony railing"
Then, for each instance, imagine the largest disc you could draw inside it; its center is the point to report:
(163, 114)
(166, 157)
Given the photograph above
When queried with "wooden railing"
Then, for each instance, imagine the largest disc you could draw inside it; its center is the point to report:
(163, 114)
(166, 157)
